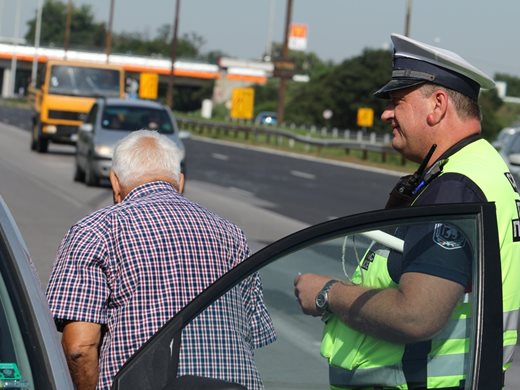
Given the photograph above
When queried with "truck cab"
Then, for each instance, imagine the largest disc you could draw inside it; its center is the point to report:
(65, 93)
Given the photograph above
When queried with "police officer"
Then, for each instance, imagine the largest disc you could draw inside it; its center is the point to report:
(405, 327)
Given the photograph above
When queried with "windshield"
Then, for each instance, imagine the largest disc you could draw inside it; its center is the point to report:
(130, 118)
(83, 81)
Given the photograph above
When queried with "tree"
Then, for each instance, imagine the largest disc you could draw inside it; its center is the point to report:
(343, 89)
(513, 83)
(490, 104)
(84, 31)
(188, 46)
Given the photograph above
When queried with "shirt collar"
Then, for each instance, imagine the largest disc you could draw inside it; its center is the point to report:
(149, 188)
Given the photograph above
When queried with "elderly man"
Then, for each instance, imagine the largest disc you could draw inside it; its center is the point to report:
(125, 270)
(408, 330)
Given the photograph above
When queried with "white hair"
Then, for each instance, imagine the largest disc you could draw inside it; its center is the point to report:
(145, 153)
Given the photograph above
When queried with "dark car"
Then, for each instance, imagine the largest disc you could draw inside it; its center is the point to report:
(32, 358)
(108, 121)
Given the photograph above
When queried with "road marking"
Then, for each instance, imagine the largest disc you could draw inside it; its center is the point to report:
(219, 156)
(241, 191)
(300, 156)
(303, 175)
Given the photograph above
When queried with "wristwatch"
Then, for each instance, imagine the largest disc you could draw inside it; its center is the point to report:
(322, 299)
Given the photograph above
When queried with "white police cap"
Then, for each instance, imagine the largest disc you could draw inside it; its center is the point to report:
(416, 63)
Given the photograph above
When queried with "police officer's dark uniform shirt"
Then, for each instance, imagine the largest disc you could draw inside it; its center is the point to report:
(439, 250)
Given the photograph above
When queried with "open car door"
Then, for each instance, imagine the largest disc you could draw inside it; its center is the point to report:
(334, 248)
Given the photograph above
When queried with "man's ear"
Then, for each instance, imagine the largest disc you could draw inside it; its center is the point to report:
(439, 106)
(181, 183)
(116, 188)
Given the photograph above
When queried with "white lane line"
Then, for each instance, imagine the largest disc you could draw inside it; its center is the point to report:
(304, 175)
(241, 191)
(218, 156)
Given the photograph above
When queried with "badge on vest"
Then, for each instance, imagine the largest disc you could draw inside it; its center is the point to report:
(369, 258)
(448, 237)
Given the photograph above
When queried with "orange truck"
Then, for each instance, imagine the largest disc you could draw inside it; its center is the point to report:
(64, 95)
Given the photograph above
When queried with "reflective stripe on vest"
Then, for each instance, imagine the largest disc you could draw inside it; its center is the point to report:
(448, 359)
(356, 359)
(353, 357)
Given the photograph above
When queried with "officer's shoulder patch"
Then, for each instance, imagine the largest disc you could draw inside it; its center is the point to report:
(448, 236)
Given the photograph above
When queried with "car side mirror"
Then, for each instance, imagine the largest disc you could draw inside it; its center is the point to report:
(87, 127)
(514, 158)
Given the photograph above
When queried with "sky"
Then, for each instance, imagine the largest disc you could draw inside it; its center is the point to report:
(483, 32)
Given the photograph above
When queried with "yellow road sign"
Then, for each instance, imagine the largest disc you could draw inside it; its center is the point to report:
(242, 103)
(148, 85)
(365, 117)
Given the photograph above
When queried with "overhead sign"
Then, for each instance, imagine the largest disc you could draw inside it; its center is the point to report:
(365, 117)
(297, 36)
(148, 85)
(242, 103)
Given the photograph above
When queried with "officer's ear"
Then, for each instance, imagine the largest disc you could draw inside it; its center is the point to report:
(438, 101)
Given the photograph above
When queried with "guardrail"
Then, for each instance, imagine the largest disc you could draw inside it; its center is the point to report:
(359, 140)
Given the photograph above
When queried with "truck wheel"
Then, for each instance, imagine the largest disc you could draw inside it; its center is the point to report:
(34, 135)
(41, 145)
(91, 178)
(79, 174)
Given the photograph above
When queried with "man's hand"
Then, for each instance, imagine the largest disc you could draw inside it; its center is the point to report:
(80, 343)
(306, 287)
(413, 311)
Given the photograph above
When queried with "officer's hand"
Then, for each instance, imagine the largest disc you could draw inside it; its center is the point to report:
(306, 287)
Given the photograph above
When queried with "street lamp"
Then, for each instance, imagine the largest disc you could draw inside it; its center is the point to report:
(169, 93)
(285, 51)
(67, 27)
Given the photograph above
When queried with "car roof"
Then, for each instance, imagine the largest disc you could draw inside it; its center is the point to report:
(132, 103)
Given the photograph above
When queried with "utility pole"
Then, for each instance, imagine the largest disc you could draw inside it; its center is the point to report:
(67, 27)
(14, 62)
(169, 93)
(108, 43)
(285, 51)
(408, 18)
(37, 33)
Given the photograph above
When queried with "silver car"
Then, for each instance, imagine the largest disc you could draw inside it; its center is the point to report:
(108, 121)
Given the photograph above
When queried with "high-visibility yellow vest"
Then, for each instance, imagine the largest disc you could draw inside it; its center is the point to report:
(356, 359)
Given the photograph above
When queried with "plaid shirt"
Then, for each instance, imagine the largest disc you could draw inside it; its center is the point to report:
(133, 265)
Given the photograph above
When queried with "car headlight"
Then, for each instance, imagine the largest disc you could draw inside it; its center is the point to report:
(103, 151)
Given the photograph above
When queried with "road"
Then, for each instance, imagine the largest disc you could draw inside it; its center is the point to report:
(268, 195)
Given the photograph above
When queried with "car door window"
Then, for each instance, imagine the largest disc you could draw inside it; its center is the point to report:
(342, 249)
